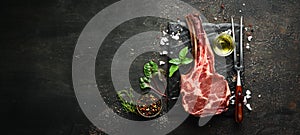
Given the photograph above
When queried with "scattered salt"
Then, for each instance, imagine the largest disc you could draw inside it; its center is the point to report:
(164, 39)
(245, 101)
(247, 46)
(164, 52)
(248, 92)
(176, 37)
(249, 107)
(259, 95)
(228, 32)
(232, 102)
(249, 38)
(162, 42)
(164, 33)
(162, 62)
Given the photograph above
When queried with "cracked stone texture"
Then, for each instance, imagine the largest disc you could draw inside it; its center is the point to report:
(38, 39)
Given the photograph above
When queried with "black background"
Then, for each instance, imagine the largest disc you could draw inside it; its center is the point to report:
(37, 43)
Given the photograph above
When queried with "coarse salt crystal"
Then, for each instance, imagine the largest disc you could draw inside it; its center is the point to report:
(259, 95)
(164, 39)
(232, 102)
(248, 96)
(249, 38)
(248, 107)
(228, 31)
(230, 98)
(245, 101)
(162, 42)
(176, 37)
(244, 4)
(164, 33)
(248, 92)
(247, 47)
(240, 11)
(162, 62)
(215, 18)
(164, 52)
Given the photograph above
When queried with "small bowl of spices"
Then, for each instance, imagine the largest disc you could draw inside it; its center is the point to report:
(149, 105)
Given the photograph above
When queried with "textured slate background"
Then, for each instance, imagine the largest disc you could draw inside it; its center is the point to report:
(37, 43)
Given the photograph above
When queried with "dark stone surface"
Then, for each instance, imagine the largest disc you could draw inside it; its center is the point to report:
(38, 39)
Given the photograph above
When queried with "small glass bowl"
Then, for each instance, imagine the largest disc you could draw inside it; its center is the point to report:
(223, 44)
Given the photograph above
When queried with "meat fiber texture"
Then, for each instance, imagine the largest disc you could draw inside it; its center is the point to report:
(204, 91)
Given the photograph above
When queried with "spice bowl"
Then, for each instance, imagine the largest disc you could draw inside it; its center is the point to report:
(149, 105)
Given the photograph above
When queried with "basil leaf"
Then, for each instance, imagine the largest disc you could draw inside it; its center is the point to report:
(172, 70)
(186, 61)
(175, 61)
(183, 52)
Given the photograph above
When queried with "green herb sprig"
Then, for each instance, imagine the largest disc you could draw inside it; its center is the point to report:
(128, 106)
(177, 62)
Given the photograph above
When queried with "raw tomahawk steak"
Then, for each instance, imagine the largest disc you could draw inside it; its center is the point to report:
(204, 91)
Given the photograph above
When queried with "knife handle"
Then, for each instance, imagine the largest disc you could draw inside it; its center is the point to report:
(238, 104)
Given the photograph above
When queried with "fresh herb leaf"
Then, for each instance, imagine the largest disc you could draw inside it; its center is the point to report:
(186, 61)
(175, 61)
(147, 80)
(142, 80)
(183, 52)
(144, 85)
(147, 71)
(182, 60)
(150, 68)
(151, 62)
(154, 68)
(173, 69)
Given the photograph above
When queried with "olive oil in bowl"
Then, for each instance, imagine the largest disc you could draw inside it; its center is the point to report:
(223, 44)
